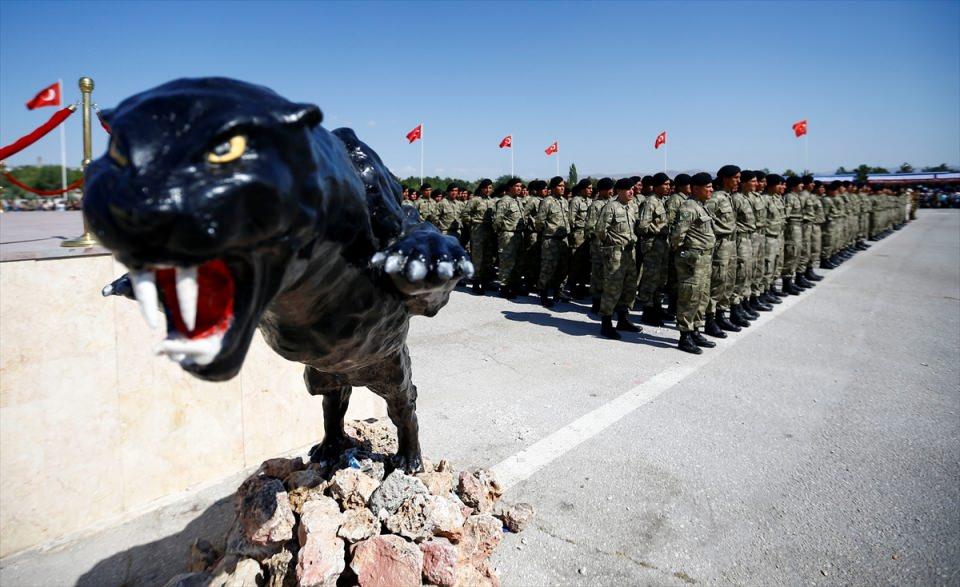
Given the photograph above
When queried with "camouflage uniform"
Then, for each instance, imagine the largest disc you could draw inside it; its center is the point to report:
(447, 217)
(807, 212)
(672, 205)
(616, 231)
(773, 246)
(530, 257)
(746, 226)
(723, 268)
(816, 231)
(792, 233)
(508, 222)
(759, 238)
(427, 209)
(596, 255)
(692, 241)
(554, 227)
(579, 248)
(652, 227)
(478, 214)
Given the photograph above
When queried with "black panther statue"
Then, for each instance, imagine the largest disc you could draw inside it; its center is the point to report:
(234, 209)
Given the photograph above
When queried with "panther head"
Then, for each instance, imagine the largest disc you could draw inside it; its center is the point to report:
(210, 192)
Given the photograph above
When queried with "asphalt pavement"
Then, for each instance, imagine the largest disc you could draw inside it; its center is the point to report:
(819, 446)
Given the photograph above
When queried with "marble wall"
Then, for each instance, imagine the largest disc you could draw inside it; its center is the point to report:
(94, 427)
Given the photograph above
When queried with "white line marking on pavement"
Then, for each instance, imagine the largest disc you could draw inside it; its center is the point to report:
(525, 463)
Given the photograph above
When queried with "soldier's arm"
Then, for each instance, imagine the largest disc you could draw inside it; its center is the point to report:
(646, 217)
(680, 228)
(606, 215)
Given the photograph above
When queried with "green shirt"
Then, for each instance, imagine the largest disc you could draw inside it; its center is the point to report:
(617, 225)
(743, 208)
(653, 217)
(693, 229)
(721, 210)
(578, 208)
(508, 216)
(552, 218)
(774, 215)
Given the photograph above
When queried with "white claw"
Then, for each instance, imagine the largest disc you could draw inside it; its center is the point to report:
(394, 263)
(187, 295)
(378, 259)
(199, 351)
(416, 270)
(107, 290)
(445, 269)
(466, 267)
(145, 290)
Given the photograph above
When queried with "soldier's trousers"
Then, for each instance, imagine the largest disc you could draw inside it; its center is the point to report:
(816, 244)
(792, 242)
(771, 261)
(482, 248)
(759, 243)
(827, 239)
(864, 226)
(530, 258)
(722, 271)
(579, 272)
(553, 259)
(804, 255)
(653, 275)
(596, 269)
(744, 270)
(510, 244)
(620, 279)
(693, 287)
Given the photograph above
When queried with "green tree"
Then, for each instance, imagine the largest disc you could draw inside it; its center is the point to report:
(43, 177)
(572, 178)
(841, 170)
(905, 168)
(789, 173)
(942, 168)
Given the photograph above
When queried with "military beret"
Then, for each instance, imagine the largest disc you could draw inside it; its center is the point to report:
(834, 185)
(636, 179)
(727, 171)
(498, 191)
(605, 184)
(623, 184)
(817, 184)
(484, 183)
(681, 179)
(700, 179)
(747, 175)
(583, 183)
(807, 178)
(426, 186)
(847, 183)
(659, 179)
(647, 180)
(760, 175)
(537, 184)
(774, 180)
(793, 181)
(555, 181)
(512, 182)
(452, 186)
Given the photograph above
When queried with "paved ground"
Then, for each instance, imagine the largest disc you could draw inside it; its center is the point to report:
(819, 446)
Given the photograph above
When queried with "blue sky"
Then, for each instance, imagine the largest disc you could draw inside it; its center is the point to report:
(879, 82)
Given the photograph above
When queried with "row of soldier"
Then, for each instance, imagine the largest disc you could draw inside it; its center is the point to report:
(712, 248)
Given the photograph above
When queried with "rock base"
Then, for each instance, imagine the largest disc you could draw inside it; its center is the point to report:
(357, 522)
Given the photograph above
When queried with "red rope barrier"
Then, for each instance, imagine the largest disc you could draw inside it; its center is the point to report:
(41, 131)
(103, 122)
(39, 192)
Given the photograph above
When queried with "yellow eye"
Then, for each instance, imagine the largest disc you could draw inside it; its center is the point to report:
(229, 150)
(116, 155)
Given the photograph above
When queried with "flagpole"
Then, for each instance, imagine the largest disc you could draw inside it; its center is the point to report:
(421, 153)
(63, 142)
(558, 157)
(806, 155)
(664, 157)
(511, 156)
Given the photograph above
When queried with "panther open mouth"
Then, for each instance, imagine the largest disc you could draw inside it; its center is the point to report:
(199, 303)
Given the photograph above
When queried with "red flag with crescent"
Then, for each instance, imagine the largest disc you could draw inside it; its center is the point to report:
(48, 96)
(800, 128)
(415, 134)
(507, 142)
(552, 148)
(661, 140)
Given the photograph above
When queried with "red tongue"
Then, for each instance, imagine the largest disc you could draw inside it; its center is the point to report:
(215, 298)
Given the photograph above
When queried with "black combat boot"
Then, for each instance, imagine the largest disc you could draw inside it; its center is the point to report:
(825, 263)
(671, 306)
(746, 311)
(725, 322)
(595, 307)
(773, 296)
(651, 317)
(862, 245)
(760, 306)
(701, 341)
(623, 322)
(788, 287)
(738, 317)
(507, 292)
(607, 329)
(687, 344)
(835, 260)
(477, 288)
(803, 281)
(811, 276)
(546, 300)
(712, 328)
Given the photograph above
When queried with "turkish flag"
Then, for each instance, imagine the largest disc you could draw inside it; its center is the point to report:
(661, 140)
(552, 149)
(48, 96)
(507, 142)
(415, 134)
(800, 128)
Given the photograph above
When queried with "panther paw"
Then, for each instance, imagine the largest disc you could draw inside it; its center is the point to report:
(424, 261)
